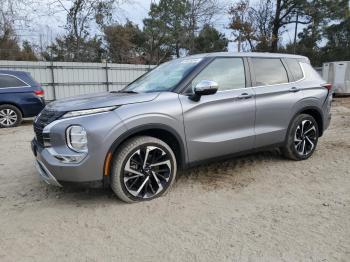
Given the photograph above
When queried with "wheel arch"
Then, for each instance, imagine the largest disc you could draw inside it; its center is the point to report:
(12, 104)
(313, 111)
(160, 131)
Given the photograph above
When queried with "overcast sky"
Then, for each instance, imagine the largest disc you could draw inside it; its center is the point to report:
(49, 26)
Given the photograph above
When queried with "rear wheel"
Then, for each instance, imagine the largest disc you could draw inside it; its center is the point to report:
(302, 138)
(143, 169)
(10, 116)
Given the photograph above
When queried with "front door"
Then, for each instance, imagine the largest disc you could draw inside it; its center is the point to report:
(223, 123)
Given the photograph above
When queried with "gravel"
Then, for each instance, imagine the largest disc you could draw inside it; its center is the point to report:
(259, 207)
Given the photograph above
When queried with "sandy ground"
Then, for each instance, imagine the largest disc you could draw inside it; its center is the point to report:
(255, 208)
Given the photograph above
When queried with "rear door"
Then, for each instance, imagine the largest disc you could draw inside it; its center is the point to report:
(276, 95)
(223, 123)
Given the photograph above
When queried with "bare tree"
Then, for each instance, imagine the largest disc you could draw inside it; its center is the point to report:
(262, 26)
(252, 25)
(81, 13)
(285, 13)
(201, 12)
(14, 15)
(242, 25)
(81, 16)
(262, 19)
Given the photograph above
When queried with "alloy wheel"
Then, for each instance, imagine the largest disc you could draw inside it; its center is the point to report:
(8, 117)
(305, 137)
(147, 172)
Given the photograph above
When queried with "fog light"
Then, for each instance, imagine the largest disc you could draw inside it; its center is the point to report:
(67, 159)
(77, 139)
(70, 159)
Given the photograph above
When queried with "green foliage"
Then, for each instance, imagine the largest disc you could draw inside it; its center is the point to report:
(70, 49)
(27, 53)
(210, 40)
(338, 45)
(10, 48)
(169, 20)
(124, 43)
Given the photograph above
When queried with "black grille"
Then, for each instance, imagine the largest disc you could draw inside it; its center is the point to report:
(44, 118)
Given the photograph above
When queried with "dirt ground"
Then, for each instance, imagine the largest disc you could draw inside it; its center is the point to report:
(260, 207)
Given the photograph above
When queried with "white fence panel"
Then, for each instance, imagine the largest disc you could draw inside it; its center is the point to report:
(66, 79)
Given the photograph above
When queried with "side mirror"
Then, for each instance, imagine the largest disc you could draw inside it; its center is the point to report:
(203, 88)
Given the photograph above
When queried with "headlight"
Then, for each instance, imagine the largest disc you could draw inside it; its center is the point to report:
(77, 139)
(89, 111)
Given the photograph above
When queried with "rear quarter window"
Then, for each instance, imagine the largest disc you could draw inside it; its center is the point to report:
(295, 68)
(10, 81)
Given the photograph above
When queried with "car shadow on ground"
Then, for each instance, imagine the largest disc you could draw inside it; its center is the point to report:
(235, 173)
(231, 173)
(27, 122)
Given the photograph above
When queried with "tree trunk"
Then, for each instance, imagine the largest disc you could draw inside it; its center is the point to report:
(177, 49)
(276, 27)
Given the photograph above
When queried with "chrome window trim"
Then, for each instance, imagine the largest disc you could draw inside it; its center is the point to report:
(232, 90)
(27, 85)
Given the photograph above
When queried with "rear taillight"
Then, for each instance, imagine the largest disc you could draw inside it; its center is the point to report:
(39, 93)
(328, 86)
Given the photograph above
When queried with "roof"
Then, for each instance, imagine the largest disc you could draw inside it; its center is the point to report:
(23, 75)
(13, 72)
(249, 54)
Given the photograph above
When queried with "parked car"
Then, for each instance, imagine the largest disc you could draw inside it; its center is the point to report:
(20, 97)
(184, 112)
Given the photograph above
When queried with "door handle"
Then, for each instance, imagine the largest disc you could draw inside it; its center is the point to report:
(294, 89)
(244, 96)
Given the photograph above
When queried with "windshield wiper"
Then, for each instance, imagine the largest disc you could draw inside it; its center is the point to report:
(124, 91)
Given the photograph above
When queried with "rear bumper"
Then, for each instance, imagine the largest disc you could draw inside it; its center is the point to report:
(33, 107)
(327, 121)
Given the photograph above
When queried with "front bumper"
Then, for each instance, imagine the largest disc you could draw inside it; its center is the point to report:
(45, 174)
(102, 130)
(52, 171)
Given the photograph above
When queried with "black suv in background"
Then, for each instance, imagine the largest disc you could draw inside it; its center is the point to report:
(20, 96)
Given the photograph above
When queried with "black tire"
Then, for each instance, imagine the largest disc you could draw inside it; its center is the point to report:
(302, 138)
(155, 177)
(10, 116)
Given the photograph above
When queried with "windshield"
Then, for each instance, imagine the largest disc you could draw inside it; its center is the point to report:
(164, 77)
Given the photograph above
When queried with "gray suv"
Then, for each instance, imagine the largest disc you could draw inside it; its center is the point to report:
(182, 113)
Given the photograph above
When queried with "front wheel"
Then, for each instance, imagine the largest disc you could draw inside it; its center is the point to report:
(143, 169)
(302, 138)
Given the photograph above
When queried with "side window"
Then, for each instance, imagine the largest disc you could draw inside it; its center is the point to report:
(269, 71)
(227, 72)
(10, 81)
(294, 67)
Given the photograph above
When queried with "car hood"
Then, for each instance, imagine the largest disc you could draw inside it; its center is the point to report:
(99, 100)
